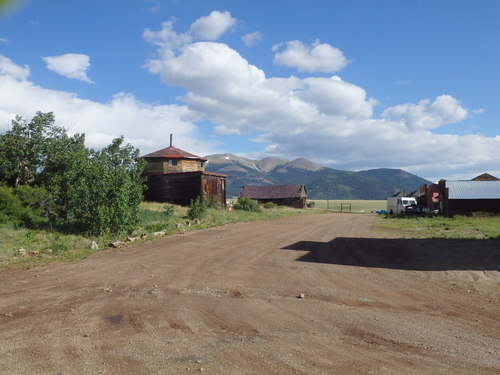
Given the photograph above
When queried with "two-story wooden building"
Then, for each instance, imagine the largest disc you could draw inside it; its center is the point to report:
(177, 176)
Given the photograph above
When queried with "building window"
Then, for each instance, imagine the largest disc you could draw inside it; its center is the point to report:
(200, 164)
(172, 162)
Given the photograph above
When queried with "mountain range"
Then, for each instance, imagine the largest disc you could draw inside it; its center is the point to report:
(321, 182)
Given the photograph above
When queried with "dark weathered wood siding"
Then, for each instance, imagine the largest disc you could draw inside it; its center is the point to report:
(290, 202)
(282, 195)
(181, 188)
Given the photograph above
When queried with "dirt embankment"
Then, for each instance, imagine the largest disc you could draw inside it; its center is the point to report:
(315, 294)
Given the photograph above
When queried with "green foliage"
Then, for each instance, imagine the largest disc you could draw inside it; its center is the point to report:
(10, 205)
(29, 150)
(311, 204)
(102, 192)
(168, 211)
(213, 203)
(269, 205)
(197, 208)
(246, 204)
(155, 227)
(95, 191)
(24, 206)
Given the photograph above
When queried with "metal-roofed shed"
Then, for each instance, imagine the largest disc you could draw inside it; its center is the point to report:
(283, 195)
(464, 197)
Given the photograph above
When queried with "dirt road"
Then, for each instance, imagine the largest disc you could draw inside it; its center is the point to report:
(314, 294)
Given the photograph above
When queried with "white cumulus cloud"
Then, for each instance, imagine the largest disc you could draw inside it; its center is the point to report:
(7, 67)
(144, 125)
(70, 65)
(211, 27)
(319, 57)
(444, 110)
(252, 39)
(325, 119)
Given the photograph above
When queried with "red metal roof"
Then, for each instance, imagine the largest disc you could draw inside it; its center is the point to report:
(173, 153)
(273, 191)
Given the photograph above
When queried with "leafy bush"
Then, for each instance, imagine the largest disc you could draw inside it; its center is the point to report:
(246, 204)
(23, 205)
(95, 191)
(311, 204)
(197, 208)
(101, 192)
(213, 203)
(168, 211)
(269, 205)
(10, 205)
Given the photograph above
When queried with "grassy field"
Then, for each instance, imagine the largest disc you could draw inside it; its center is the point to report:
(350, 205)
(459, 227)
(358, 206)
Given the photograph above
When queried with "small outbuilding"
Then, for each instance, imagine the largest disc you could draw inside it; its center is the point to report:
(176, 176)
(282, 195)
(463, 196)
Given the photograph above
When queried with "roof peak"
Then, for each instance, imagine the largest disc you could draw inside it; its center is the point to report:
(172, 152)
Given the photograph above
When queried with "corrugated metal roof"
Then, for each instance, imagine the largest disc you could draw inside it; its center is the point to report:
(273, 191)
(473, 189)
(173, 153)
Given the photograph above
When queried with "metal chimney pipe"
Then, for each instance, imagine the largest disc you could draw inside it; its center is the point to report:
(170, 139)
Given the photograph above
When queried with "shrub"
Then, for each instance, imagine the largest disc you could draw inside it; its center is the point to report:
(10, 205)
(213, 203)
(168, 211)
(22, 206)
(197, 208)
(269, 205)
(311, 204)
(246, 204)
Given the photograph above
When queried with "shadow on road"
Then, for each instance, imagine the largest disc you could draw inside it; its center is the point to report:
(404, 254)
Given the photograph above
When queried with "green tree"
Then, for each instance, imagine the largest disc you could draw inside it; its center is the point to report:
(29, 149)
(97, 191)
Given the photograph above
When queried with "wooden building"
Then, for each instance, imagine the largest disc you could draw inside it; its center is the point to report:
(462, 197)
(485, 177)
(427, 197)
(176, 176)
(283, 195)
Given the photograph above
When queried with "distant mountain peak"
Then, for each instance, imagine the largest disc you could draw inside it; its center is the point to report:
(268, 164)
(304, 164)
(218, 159)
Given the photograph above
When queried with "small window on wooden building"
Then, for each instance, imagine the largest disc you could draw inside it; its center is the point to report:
(200, 164)
(172, 162)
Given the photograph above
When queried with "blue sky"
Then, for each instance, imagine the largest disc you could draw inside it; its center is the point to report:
(348, 84)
